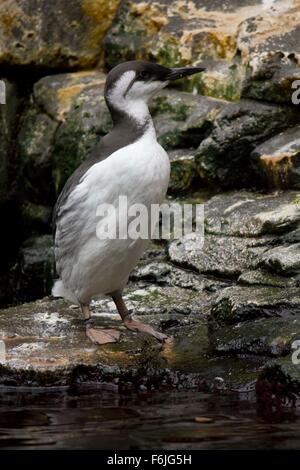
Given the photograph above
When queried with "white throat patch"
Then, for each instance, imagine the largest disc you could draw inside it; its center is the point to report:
(133, 99)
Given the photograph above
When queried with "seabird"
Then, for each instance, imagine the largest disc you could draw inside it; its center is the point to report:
(130, 162)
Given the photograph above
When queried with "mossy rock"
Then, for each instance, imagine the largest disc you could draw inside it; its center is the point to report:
(53, 35)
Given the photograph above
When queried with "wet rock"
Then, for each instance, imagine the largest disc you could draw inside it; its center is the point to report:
(46, 343)
(235, 304)
(282, 260)
(223, 158)
(244, 213)
(35, 270)
(266, 337)
(287, 366)
(221, 256)
(264, 278)
(278, 160)
(276, 392)
(40, 34)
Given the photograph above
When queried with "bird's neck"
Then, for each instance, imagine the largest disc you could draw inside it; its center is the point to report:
(134, 114)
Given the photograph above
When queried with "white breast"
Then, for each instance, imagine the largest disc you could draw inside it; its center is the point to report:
(89, 266)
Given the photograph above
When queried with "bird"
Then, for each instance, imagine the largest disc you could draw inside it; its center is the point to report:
(128, 162)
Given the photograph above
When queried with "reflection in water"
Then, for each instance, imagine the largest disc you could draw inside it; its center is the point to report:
(94, 419)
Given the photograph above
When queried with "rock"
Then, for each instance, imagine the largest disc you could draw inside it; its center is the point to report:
(221, 256)
(291, 237)
(35, 270)
(176, 33)
(46, 346)
(56, 94)
(35, 146)
(245, 213)
(43, 35)
(274, 81)
(286, 365)
(78, 135)
(9, 210)
(36, 218)
(222, 79)
(270, 45)
(46, 342)
(7, 122)
(183, 120)
(282, 260)
(242, 43)
(278, 160)
(267, 337)
(236, 304)
(264, 278)
(223, 158)
(166, 274)
(184, 176)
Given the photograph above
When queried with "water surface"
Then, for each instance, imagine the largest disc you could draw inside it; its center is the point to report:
(96, 419)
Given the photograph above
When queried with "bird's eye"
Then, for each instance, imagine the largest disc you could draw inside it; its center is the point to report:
(144, 75)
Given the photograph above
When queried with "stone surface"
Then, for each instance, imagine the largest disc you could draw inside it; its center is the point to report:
(223, 158)
(270, 44)
(245, 213)
(35, 146)
(264, 278)
(87, 121)
(35, 270)
(249, 48)
(46, 343)
(53, 35)
(235, 304)
(183, 120)
(283, 260)
(266, 337)
(183, 172)
(56, 94)
(7, 120)
(166, 274)
(221, 256)
(279, 160)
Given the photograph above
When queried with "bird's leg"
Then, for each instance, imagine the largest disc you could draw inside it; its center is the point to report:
(97, 336)
(132, 324)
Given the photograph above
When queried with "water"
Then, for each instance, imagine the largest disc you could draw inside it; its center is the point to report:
(95, 419)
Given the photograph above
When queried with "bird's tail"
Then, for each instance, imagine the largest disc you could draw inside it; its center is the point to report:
(59, 290)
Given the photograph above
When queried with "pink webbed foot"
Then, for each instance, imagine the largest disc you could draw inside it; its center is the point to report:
(144, 328)
(98, 336)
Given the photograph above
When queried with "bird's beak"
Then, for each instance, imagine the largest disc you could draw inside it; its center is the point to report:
(174, 74)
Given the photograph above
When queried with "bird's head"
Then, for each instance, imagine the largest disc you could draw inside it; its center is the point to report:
(130, 85)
